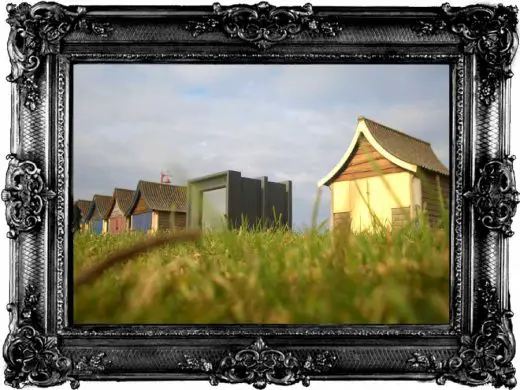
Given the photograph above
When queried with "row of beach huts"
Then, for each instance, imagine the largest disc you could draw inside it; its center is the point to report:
(150, 207)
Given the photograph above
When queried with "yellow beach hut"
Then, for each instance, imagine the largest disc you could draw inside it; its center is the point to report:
(388, 175)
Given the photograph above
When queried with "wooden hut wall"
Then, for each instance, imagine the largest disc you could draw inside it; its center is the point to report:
(180, 219)
(169, 220)
(434, 188)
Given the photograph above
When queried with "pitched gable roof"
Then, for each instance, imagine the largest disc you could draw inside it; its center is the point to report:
(84, 206)
(160, 197)
(124, 199)
(101, 203)
(402, 149)
(405, 147)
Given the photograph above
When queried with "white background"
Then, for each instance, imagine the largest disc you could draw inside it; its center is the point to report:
(388, 385)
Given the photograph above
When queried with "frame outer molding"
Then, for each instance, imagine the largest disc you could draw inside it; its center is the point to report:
(36, 349)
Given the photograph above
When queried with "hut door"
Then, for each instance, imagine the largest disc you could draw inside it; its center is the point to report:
(142, 222)
(116, 225)
(97, 226)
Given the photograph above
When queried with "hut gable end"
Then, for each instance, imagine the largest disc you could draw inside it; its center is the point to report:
(140, 205)
(392, 150)
(366, 161)
(116, 210)
(122, 202)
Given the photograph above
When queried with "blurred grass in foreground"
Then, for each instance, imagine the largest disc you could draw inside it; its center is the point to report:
(272, 277)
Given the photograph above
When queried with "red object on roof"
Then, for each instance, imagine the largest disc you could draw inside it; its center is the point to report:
(165, 178)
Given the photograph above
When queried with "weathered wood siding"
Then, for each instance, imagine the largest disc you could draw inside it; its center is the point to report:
(163, 220)
(171, 220)
(180, 220)
(435, 193)
(140, 207)
(366, 161)
(400, 216)
(342, 220)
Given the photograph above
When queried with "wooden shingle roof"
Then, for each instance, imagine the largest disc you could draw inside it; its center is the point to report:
(124, 198)
(405, 147)
(161, 197)
(84, 206)
(401, 149)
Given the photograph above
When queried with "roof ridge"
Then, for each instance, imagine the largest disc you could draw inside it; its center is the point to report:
(105, 196)
(161, 184)
(392, 129)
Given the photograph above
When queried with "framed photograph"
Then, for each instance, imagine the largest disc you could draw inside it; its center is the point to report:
(260, 194)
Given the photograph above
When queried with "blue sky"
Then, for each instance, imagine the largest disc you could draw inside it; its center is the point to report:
(287, 122)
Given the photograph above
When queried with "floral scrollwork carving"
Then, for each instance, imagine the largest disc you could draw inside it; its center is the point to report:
(36, 31)
(260, 365)
(92, 364)
(495, 196)
(487, 31)
(31, 357)
(263, 24)
(484, 357)
(25, 195)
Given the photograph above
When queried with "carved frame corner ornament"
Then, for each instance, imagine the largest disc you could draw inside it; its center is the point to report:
(495, 197)
(260, 365)
(484, 357)
(92, 364)
(263, 24)
(36, 31)
(24, 195)
(489, 32)
(33, 358)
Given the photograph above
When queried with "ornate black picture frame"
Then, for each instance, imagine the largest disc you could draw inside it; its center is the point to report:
(43, 348)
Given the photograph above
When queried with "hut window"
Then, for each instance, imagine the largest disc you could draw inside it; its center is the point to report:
(342, 220)
(400, 216)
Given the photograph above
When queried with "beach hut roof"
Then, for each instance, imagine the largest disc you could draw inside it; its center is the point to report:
(402, 149)
(160, 197)
(103, 204)
(124, 199)
(84, 206)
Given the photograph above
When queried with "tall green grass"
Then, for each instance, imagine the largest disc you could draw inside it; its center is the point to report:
(273, 276)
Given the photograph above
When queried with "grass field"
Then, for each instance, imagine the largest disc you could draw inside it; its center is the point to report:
(271, 277)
